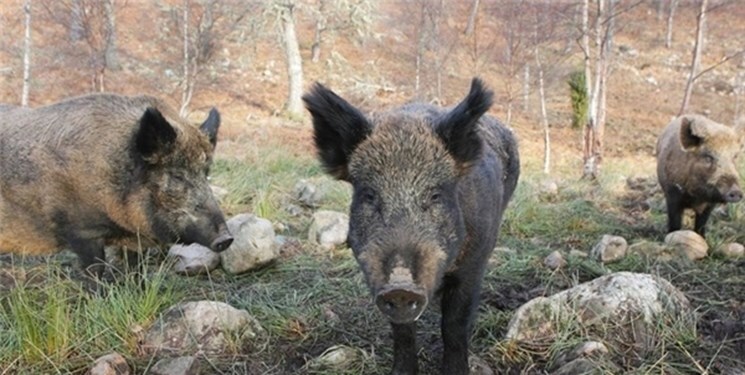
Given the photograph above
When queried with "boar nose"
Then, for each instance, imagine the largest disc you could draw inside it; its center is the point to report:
(401, 305)
(222, 243)
(734, 195)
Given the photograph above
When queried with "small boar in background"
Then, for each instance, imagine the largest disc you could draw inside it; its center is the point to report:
(106, 169)
(696, 168)
(430, 186)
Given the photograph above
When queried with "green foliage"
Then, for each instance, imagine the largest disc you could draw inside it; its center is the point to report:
(578, 96)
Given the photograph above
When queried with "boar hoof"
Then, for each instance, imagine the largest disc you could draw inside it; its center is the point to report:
(401, 305)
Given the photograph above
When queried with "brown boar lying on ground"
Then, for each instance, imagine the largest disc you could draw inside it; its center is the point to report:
(105, 169)
(429, 189)
(696, 168)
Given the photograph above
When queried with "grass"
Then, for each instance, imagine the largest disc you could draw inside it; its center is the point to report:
(312, 300)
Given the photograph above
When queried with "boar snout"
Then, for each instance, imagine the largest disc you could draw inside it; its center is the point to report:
(223, 240)
(401, 304)
(733, 195)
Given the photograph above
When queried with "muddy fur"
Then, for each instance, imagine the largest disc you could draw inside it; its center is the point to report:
(430, 186)
(104, 169)
(696, 168)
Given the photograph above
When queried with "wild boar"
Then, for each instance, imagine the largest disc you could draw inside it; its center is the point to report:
(696, 168)
(105, 169)
(430, 186)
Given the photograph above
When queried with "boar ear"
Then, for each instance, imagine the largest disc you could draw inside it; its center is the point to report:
(211, 125)
(691, 134)
(458, 128)
(338, 127)
(155, 135)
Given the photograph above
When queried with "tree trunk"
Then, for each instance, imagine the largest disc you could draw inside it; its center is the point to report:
(588, 132)
(315, 49)
(697, 48)
(544, 118)
(77, 31)
(526, 89)
(472, 18)
(670, 15)
(26, 53)
(111, 58)
(294, 106)
(186, 88)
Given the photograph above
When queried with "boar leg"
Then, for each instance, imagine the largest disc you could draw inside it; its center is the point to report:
(702, 218)
(459, 301)
(674, 211)
(404, 349)
(90, 252)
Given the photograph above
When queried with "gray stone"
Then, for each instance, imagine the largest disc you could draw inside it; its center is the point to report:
(588, 349)
(328, 229)
(307, 193)
(554, 260)
(253, 244)
(193, 259)
(110, 364)
(338, 357)
(618, 297)
(208, 326)
(579, 366)
(731, 250)
(609, 249)
(176, 366)
(477, 366)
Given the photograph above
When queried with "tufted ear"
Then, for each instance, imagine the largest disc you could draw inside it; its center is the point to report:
(211, 125)
(458, 129)
(155, 135)
(692, 133)
(338, 128)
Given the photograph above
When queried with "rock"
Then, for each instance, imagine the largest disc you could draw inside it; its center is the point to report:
(328, 229)
(193, 259)
(477, 366)
(110, 364)
(338, 357)
(176, 366)
(578, 253)
(307, 194)
(588, 349)
(219, 192)
(253, 244)
(208, 326)
(548, 188)
(554, 260)
(618, 298)
(731, 250)
(580, 366)
(689, 243)
(609, 249)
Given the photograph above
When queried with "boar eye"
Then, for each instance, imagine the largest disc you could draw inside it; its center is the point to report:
(435, 197)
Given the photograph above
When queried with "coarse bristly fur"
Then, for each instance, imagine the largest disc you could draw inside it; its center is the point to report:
(696, 168)
(430, 186)
(102, 169)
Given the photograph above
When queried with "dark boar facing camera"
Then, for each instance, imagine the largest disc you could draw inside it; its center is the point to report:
(696, 168)
(106, 169)
(430, 186)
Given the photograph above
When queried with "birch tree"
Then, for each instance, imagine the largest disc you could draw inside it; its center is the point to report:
(294, 103)
(26, 53)
(670, 17)
(696, 63)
